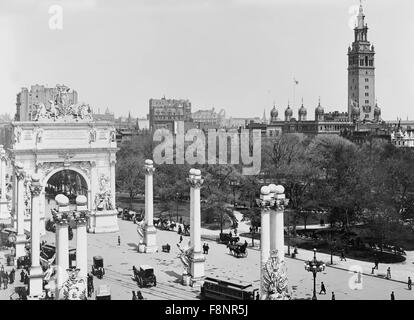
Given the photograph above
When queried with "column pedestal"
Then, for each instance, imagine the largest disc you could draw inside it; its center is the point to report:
(36, 282)
(150, 236)
(197, 268)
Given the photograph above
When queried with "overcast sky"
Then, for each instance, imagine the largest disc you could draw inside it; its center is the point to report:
(240, 55)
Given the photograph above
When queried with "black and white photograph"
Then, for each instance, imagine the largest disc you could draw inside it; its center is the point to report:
(207, 154)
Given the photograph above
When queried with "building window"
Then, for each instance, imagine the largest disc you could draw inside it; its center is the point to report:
(366, 80)
(366, 94)
(361, 62)
(366, 101)
(366, 87)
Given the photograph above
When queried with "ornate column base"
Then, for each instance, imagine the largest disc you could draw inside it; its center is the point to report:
(274, 279)
(197, 269)
(36, 282)
(20, 245)
(150, 239)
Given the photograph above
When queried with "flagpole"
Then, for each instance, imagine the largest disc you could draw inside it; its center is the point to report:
(294, 91)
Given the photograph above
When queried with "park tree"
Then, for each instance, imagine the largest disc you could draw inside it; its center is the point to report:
(130, 176)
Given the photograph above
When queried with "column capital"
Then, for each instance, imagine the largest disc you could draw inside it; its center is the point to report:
(149, 167)
(60, 218)
(20, 173)
(35, 186)
(80, 217)
(195, 180)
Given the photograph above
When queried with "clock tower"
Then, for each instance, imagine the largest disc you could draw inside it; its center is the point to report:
(361, 74)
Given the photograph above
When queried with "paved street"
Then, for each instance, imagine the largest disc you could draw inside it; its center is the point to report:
(168, 268)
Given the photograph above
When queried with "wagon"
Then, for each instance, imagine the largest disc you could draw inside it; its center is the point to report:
(166, 248)
(145, 276)
(98, 269)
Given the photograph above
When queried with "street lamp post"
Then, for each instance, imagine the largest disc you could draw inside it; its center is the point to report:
(314, 266)
(288, 235)
(176, 202)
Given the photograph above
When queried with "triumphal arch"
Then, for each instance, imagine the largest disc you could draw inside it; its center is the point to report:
(63, 141)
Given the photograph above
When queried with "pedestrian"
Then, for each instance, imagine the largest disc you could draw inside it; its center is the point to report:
(409, 283)
(22, 276)
(139, 295)
(119, 240)
(181, 219)
(359, 277)
(323, 289)
(26, 279)
(134, 296)
(389, 273)
(257, 296)
(343, 255)
(376, 263)
(207, 248)
(333, 295)
(11, 276)
(392, 296)
(181, 238)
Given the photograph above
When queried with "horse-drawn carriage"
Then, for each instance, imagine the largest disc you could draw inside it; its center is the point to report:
(165, 224)
(166, 248)
(238, 250)
(145, 276)
(98, 269)
(228, 238)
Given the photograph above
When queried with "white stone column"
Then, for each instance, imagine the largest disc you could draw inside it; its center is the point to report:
(197, 259)
(81, 237)
(279, 222)
(4, 210)
(150, 233)
(62, 241)
(273, 231)
(36, 273)
(42, 208)
(21, 237)
(265, 203)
